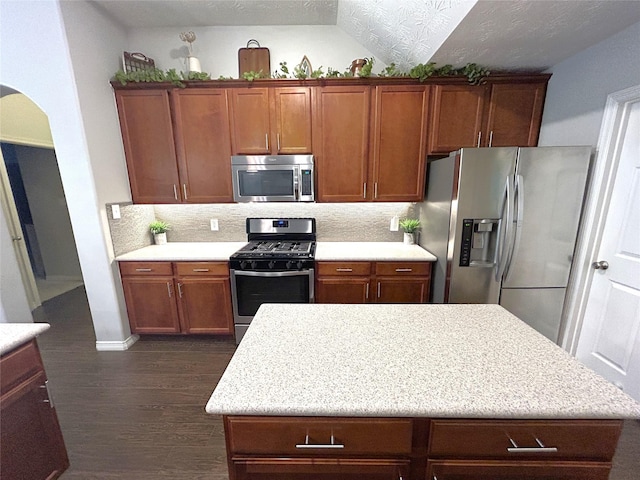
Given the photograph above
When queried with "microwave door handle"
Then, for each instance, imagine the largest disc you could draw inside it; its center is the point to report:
(296, 183)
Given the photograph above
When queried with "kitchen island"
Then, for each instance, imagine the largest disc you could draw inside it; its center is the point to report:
(412, 391)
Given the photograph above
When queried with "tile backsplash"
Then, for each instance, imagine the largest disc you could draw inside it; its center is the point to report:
(336, 222)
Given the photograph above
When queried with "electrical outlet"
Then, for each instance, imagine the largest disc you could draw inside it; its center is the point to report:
(393, 226)
(115, 210)
(214, 225)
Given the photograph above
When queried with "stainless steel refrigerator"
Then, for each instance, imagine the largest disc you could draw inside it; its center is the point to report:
(503, 223)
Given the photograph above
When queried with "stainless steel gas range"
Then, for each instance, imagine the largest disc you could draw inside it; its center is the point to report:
(276, 266)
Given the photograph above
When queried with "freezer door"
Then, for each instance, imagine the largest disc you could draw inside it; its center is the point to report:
(540, 308)
(478, 195)
(550, 185)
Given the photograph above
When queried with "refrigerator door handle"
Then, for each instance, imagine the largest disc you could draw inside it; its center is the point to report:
(519, 198)
(505, 239)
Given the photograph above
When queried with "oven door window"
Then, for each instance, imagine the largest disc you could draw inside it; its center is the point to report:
(266, 183)
(253, 291)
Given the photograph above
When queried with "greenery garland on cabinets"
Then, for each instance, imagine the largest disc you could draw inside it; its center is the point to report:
(157, 75)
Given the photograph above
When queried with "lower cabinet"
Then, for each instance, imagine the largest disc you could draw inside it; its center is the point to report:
(31, 442)
(373, 282)
(178, 297)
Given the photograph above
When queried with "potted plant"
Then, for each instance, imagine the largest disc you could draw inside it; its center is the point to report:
(409, 226)
(159, 230)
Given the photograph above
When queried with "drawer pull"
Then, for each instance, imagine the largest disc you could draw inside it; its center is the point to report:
(404, 269)
(49, 398)
(344, 269)
(333, 444)
(144, 270)
(539, 449)
(200, 269)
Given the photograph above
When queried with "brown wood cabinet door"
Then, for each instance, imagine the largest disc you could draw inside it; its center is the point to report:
(151, 304)
(250, 124)
(341, 143)
(514, 115)
(522, 470)
(320, 469)
(399, 143)
(402, 290)
(203, 145)
(292, 121)
(205, 305)
(342, 289)
(456, 117)
(31, 443)
(147, 135)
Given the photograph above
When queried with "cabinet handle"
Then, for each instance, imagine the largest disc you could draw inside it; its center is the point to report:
(49, 398)
(378, 289)
(365, 191)
(333, 444)
(266, 140)
(180, 289)
(366, 295)
(278, 138)
(169, 289)
(375, 190)
(144, 270)
(175, 192)
(404, 269)
(490, 137)
(344, 269)
(539, 449)
(200, 269)
(479, 137)
(184, 190)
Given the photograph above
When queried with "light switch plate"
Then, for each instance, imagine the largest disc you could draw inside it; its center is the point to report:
(393, 226)
(214, 225)
(115, 210)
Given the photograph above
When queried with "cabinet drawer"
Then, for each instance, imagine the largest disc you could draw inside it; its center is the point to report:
(145, 268)
(343, 268)
(19, 364)
(202, 269)
(575, 439)
(403, 268)
(312, 436)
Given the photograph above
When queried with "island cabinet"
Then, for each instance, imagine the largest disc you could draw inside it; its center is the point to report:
(178, 297)
(31, 440)
(373, 282)
(270, 121)
(177, 144)
(266, 448)
(370, 142)
(524, 449)
(489, 115)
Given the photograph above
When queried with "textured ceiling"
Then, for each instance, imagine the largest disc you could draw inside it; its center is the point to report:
(505, 34)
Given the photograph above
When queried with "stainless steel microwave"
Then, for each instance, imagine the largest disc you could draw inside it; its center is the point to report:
(272, 178)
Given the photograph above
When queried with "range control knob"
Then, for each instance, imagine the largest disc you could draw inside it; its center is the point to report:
(288, 264)
(243, 265)
(299, 265)
(272, 264)
(254, 264)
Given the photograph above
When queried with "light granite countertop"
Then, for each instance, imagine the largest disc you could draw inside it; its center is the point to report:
(220, 251)
(460, 361)
(13, 335)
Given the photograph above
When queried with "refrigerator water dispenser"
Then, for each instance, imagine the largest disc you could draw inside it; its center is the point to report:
(479, 242)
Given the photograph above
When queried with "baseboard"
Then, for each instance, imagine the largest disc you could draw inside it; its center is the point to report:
(117, 346)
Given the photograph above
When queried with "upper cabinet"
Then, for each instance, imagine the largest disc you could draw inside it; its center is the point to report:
(491, 115)
(271, 121)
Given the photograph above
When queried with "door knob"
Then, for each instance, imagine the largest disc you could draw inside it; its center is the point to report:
(601, 265)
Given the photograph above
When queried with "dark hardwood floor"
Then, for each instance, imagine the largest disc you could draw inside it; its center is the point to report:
(139, 414)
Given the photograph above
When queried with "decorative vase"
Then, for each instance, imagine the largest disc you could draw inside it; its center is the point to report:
(408, 238)
(193, 64)
(160, 238)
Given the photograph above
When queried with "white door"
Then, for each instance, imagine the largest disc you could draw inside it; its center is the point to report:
(609, 342)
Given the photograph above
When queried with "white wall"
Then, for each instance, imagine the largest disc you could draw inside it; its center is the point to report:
(579, 87)
(35, 60)
(217, 47)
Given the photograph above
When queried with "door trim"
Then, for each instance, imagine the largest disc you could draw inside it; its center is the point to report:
(608, 149)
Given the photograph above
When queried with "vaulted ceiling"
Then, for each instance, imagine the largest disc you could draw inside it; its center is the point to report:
(500, 34)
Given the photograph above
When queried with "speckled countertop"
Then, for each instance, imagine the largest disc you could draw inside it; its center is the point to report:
(461, 361)
(13, 335)
(220, 251)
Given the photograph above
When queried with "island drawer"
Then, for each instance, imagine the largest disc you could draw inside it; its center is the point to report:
(18, 365)
(403, 268)
(145, 268)
(574, 439)
(318, 436)
(527, 470)
(343, 268)
(184, 269)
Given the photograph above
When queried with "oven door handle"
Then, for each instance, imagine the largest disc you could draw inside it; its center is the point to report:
(272, 274)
